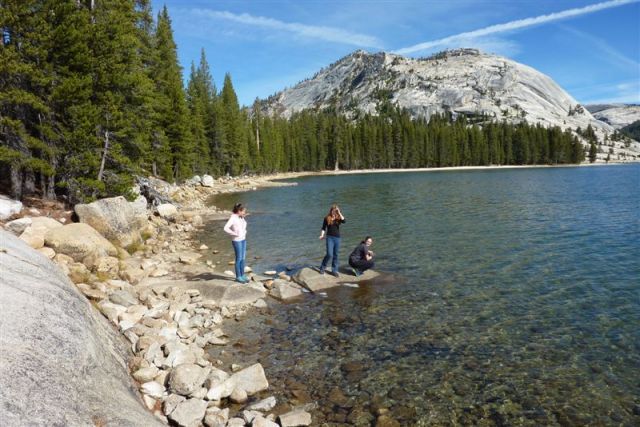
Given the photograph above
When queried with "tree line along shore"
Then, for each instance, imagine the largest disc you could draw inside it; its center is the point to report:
(93, 95)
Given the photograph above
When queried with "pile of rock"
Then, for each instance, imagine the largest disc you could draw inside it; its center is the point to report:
(168, 321)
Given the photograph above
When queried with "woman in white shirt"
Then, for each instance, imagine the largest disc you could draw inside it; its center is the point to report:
(236, 227)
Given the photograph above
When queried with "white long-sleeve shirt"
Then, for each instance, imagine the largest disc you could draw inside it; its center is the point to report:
(236, 227)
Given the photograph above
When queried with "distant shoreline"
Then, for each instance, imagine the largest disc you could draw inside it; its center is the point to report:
(292, 175)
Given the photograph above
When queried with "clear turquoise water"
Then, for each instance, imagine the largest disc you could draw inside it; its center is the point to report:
(514, 297)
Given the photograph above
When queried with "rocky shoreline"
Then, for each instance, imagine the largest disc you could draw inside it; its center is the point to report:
(138, 263)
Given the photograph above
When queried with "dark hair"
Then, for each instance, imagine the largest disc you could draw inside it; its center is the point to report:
(238, 207)
(366, 238)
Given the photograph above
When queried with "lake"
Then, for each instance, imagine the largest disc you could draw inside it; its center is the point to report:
(510, 297)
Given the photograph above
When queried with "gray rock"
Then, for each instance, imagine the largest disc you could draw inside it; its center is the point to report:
(64, 356)
(284, 290)
(216, 417)
(251, 379)
(207, 181)
(171, 402)
(167, 210)
(153, 389)
(115, 218)
(295, 418)
(145, 375)
(264, 405)
(260, 421)
(17, 226)
(123, 298)
(236, 422)
(189, 413)
(8, 207)
(187, 378)
(79, 241)
(314, 281)
(238, 395)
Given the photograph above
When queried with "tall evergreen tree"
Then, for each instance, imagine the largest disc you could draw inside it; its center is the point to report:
(172, 114)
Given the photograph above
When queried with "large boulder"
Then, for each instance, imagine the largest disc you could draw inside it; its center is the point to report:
(207, 181)
(314, 281)
(8, 207)
(40, 226)
(78, 241)
(61, 362)
(116, 219)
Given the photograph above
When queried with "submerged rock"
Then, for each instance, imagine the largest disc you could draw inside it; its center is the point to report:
(295, 418)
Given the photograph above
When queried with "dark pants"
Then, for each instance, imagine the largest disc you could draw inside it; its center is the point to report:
(240, 248)
(361, 265)
(333, 247)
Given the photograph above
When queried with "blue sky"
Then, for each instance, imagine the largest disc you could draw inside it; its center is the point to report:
(591, 48)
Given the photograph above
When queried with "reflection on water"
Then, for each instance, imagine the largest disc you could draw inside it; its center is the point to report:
(514, 298)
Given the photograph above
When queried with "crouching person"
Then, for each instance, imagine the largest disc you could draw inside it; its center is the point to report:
(361, 259)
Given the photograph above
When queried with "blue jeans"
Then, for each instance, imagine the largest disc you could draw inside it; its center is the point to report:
(240, 249)
(333, 247)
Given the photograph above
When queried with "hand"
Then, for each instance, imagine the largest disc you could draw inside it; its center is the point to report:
(321, 237)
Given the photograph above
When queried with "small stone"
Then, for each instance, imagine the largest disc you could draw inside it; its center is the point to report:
(260, 304)
(146, 375)
(149, 401)
(171, 402)
(229, 273)
(189, 413)
(231, 263)
(260, 421)
(249, 416)
(386, 421)
(203, 247)
(94, 294)
(295, 418)
(185, 379)
(270, 273)
(238, 395)
(235, 422)
(123, 298)
(264, 405)
(153, 389)
(48, 252)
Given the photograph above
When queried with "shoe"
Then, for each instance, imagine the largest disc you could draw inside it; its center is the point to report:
(334, 274)
(355, 272)
(246, 278)
(321, 270)
(242, 279)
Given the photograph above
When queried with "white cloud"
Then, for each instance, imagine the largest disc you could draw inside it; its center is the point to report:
(330, 34)
(477, 35)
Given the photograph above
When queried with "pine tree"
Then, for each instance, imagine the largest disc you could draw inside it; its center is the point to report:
(172, 114)
(236, 156)
(593, 152)
(26, 128)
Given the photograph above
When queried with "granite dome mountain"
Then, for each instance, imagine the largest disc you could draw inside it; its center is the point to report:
(462, 81)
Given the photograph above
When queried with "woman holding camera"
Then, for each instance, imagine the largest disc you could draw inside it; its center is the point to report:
(331, 233)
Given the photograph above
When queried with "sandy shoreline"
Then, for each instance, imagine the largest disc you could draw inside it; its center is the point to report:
(270, 180)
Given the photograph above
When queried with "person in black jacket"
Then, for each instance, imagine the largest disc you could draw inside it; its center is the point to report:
(361, 259)
(331, 232)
